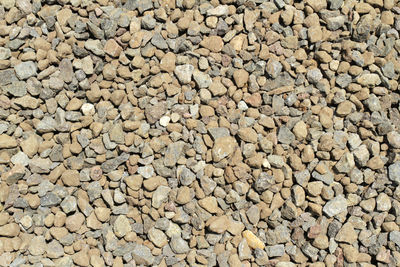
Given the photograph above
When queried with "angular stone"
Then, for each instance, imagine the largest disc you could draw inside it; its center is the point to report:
(9, 230)
(160, 196)
(7, 141)
(252, 240)
(178, 245)
(158, 238)
(112, 48)
(212, 43)
(25, 70)
(335, 206)
(223, 147)
(173, 153)
(122, 226)
(184, 73)
(142, 255)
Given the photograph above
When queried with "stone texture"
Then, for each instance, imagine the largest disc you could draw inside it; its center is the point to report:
(198, 133)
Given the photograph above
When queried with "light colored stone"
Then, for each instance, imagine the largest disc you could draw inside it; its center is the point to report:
(252, 240)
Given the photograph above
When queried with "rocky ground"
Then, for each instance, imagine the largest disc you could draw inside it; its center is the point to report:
(199, 133)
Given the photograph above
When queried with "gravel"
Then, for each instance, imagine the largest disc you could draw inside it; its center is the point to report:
(199, 133)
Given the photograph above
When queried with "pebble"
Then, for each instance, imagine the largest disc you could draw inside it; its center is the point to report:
(335, 206)
(184, 73)
(252, 240)
(25, 70)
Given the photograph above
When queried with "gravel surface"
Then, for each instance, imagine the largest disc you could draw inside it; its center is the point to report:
(199, 133)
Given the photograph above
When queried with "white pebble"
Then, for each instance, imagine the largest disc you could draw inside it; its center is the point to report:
(164, 121)
(88, 109)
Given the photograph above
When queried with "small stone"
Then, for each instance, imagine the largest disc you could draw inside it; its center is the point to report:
(202, 79)
(223, 147)
(122, 226)
(350, 253)
(217, 88)
(210, 204)
(50, 200)
(37, 246)
(7, 141)
(394, 139)
(241, 77)
(157, 237)
(335, 206)
(178, 245)
(164, 121)
(220, 10)
(160, 196)
(218, 224)
(274, 68)
(244, 250)
(9, 230)
(346, 163)
(395, 237)
(88, 109)
(275, 251)
(173, 153)
(95, 47)
(154, 113)
(26, 222)
(317, 5)
(252, 240)
(248, 135)
(383, 202)
(184, 73)
(167, 63)
(112, 48)
(370, 79)
(69, 204)
(17, 89)
(300, 130)
(285, 136)
(54, 250)
(81, 258)
(142, 255)
(347, 234)
(394, 172)
(5, 53)
(25, 70)
(375, 163)
(344, 108)
(213, 43)
(71, 178)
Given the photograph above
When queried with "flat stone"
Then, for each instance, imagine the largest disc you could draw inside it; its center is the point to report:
(178, 245)
(7, 141)
(9, 230)
(370, 79)
(213, 43)
(112, 48)
(25, 70)
(347, 234)
(158, 237)
(223, 147)
(37, 246)
(335, 206)
(17, 89)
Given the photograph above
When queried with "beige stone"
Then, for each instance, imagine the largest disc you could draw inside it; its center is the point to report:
(252, 240)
